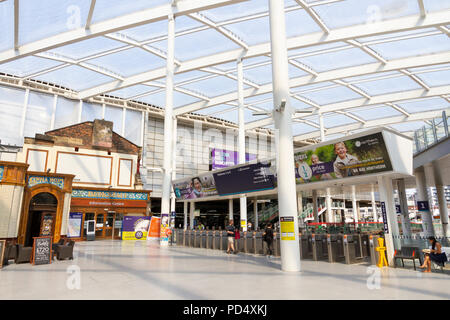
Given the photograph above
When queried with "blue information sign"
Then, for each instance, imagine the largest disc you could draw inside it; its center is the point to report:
(398, 209)
(423, 206)
(384, 215)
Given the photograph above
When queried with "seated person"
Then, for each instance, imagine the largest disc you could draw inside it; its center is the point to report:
(435, 255)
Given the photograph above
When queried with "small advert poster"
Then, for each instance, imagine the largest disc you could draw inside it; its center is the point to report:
(153, 230)
(135, 228)
(287, 228)
(164, 231)
(74, 225)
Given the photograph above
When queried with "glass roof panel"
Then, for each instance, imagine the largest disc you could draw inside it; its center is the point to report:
(260, 75)
(74, 77)
(374, 76)
(331, 95)
(412, 47)
(121, 63)
(430, 68)
(437, 78)
(213, 110)
(159, 99)
(132, 91)
(408, 126)
(214, 86)
(352, 12)
(305, 88)
(299, 128)
(38, 20)
(242, 9)
(375, 112)
(186, 76)
(27, 66)
(390, 85)
(299, 22)
(436, 5)
(414, 106)
(108, 9)
(395, 35)
(334, 120)
(337, 59)
(87, 48)
(252, 31)
(7, 25)
(255, 99)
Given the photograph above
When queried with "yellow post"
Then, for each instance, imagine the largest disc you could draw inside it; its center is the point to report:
(382, 255)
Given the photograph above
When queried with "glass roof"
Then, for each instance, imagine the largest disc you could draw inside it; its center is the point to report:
(362, 63)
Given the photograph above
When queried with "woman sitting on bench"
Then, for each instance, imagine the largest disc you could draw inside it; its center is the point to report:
(435, 254)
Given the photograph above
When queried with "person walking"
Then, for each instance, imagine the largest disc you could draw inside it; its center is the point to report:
(230, 235)
(237, 237)
(268, 239)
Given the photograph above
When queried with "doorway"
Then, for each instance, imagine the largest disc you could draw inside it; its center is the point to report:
(41, 217)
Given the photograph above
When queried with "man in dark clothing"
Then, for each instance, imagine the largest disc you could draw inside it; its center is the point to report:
(268, 239)
(230, 234)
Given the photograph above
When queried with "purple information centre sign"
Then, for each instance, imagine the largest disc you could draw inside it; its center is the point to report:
(224, 158)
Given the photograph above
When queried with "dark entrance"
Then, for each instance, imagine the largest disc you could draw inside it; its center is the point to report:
(41, 217)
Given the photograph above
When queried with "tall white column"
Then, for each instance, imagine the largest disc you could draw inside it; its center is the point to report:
(354, 205)
(290, 251)
(174, 165)
(191, 215)
(300, 210)
(443, 210)
(185, 211)
(255, 210)
(404, 216)
(329, 204)
(168, 120)
(230, 209)
(422, 195)
(387, 196)
(241, 138)
(374, 204)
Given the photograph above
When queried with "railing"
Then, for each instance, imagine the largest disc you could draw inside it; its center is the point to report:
(431, 134)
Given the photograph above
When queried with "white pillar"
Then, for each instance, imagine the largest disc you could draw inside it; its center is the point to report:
(406, 223)
(440, 191)
(354, 206)
(329, 204)
(422, 195)
(387, 197)
(168, 120)
(174, 165)
(315, 206)
(241, 138)
(191, 215)
(290, 251)
(230, 209)
(374, 204)
(185, 211)
(255, 210)
(300, 210)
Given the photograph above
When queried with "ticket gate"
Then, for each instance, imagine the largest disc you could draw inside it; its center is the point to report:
(240, 243)
(180, 237)
(249, 243)
(202, 235)
(209, 239)
(374, 254)
(305, 246)
(216, 242)
(258, 243)
(224, 240)
(365, 247)
(335, 248)
(276, 244)
(319, 247)
(352, 249)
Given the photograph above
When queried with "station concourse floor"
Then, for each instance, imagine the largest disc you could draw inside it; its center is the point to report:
(142, 270)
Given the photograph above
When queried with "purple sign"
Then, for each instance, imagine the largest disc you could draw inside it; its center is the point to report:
(224, 158)
(135, 228)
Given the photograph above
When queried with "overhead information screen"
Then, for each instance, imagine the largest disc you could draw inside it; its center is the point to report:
(243, 179)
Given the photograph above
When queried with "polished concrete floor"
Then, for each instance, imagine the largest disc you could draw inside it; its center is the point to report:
(143, 270)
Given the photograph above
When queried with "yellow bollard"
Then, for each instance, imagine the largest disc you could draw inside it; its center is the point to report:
(382, 256)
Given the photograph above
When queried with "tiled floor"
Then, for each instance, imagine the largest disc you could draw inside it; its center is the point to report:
(143, 270)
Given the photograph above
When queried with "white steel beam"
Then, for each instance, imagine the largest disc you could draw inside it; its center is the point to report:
(375, 67)
(434, 19)
(135, 19)
(420, 116)
(90, 14)
(16, 24)
(313, 15)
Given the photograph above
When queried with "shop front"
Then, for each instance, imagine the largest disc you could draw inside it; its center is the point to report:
(107, 208)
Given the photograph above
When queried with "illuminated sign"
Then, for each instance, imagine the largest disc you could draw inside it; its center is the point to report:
(36, 180)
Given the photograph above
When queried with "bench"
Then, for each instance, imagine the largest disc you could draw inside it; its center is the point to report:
(408, 253)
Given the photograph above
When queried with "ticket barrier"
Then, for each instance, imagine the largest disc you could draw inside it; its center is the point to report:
(374, 254)
(202, 235)
(352, 249)
(305, 246)
(209, 239)
(276, 244)
(216, 242)
(335, 248)
(224, 240)
(240, 243)
(365, 246)
(258, 243)
(319, 247)
(249, 243)
(180, 237)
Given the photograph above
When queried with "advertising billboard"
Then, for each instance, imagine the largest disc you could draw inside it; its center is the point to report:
(346, 158)
(195, 187)
(135, 228)
(221, 158)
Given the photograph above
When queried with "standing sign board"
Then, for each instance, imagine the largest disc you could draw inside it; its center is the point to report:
(42, 250)
(90, 230)
(384, 215)
(74, 225)
(2, 251)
